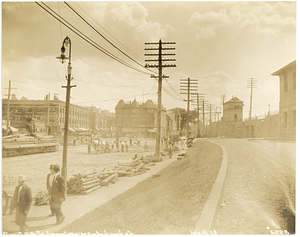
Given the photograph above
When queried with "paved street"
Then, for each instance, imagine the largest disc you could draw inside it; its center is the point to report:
(259, 194)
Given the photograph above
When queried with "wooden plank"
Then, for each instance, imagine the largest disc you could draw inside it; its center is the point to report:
(90, 190)
(113, 178)
(86, 187)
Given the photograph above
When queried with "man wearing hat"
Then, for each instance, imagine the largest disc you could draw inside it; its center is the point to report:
(49, 182)
(58, 194)
(21, 201)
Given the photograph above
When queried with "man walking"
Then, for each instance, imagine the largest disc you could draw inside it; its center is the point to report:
(49, 182)
(58, 194)
(21, 201)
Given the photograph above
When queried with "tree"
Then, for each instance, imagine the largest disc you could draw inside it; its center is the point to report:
(192, 118)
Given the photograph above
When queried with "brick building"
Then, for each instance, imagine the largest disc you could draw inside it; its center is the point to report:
(49, 116)
(287, 104)
(139, 118)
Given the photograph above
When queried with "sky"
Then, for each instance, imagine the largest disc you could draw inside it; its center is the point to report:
(221, 44)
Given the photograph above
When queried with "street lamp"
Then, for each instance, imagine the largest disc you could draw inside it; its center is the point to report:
(63, 58)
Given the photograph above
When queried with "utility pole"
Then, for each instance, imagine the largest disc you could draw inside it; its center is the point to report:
(62, 57)
(251, 84)
(8, 106)
(198, 126)
(218, 113)
(186, 86)
(48, 114)
(160, 66)
(223, 101)
(209, 120)
(203, 113)
(199, 98)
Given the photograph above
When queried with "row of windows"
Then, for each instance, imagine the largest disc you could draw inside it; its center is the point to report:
(285, 82)
(134, 111)
(292, 121)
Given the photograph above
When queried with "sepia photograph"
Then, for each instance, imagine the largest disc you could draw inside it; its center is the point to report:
(149, 117)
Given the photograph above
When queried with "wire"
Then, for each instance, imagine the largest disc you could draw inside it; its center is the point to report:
(110, 85)
(81, 7)
(174, 90)
(104, 36)
(87, 39)
(49, 88)
(241, 91)
(115, 98)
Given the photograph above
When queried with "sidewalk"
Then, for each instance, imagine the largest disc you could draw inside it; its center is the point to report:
(77, 205)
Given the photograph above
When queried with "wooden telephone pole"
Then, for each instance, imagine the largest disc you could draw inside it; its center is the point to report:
(251, 84)
(8, 106)
(199, 99)
(186, 86)
(160, 66)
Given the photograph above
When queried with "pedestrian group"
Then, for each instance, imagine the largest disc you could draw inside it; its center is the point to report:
(22, 197)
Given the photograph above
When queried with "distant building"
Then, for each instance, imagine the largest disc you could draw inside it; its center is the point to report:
(287, 104)
(173, 123)
(139, 118)
(49, 116)
(232, 119)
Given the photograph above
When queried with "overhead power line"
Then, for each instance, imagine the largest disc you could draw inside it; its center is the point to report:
(87, 39)
(82, 18)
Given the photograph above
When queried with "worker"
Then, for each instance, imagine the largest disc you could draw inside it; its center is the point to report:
(122, 146)
(146, 147)
(126, 146)
(49, 182)
(21, 201)
(89, 147)
(58, 194)
(170, 150)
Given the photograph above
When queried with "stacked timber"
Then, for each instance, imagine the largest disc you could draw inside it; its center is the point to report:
(107, 177)
(181, 155)
(83, 183)
(138, 165)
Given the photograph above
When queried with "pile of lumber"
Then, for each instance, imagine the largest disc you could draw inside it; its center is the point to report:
(138, 165)
(107, 177)
(87, 183)
(83, 183)
(181, 155)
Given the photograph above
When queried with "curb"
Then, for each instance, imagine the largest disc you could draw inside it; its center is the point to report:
(209, 212)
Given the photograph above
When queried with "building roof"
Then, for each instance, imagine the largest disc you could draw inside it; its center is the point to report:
(120, 104)
(234, 100)
(135, 103)
(290, 66)
(149, 103)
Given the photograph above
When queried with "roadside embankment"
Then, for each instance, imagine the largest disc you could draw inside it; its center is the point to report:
(168, 202)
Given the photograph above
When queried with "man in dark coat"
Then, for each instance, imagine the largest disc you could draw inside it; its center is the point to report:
(21, 201)
(58, 194)
(49, 183)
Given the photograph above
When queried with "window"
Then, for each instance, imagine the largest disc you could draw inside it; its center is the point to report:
(294, 80)
(235, 117)
(294, 118)
(284, 119)
(285, 83)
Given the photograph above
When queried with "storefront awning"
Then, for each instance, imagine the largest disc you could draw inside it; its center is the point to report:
(72, 129)
(153, 130)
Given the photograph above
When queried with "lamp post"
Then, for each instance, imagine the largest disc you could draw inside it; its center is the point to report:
(63, 58)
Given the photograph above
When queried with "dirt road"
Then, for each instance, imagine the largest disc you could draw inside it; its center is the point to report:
(259, 194)
(36, 166)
